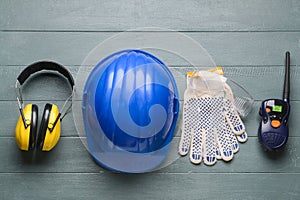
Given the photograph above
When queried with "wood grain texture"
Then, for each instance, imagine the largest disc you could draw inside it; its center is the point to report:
(191, 15)
(150, 186)
(48, 86)
(70, 48)
(247, 38)
(70, 156)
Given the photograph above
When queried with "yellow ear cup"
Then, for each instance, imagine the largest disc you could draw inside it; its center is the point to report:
(25, 137)
(48, 131)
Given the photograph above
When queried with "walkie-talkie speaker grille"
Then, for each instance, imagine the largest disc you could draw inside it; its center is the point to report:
(273, 140)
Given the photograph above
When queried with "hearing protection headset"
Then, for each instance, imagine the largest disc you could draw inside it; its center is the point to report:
(26, 129)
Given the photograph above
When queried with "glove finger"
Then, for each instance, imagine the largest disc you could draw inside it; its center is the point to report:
(218, 153)
(198, 131)
(232, 139)
(196, 146)
(207, 109)
(224, 144)
(187, 124)
(242, 138)
(209, 148)
(233, 118)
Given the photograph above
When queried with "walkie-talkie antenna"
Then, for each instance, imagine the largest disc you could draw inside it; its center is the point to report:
(286, 89)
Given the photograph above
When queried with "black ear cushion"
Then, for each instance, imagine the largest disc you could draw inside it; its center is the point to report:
(44, 125)
(33, 126)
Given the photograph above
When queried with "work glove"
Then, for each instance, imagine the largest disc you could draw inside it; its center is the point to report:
(211, 125)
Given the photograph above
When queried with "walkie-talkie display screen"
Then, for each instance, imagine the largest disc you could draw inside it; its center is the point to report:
(277, 108)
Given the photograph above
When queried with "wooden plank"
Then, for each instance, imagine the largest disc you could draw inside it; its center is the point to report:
(70, 156)
(150, 186)
(260, 81)
(92, 15)
(270, 77)
(71, 48)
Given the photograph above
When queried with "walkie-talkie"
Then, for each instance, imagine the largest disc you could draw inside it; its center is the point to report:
(273, 130)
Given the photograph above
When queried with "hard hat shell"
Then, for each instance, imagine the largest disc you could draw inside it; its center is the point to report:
(130, 107)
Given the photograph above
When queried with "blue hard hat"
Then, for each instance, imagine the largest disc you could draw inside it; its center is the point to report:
(130, 107)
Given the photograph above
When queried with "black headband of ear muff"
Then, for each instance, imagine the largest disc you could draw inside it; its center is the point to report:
(44, 65)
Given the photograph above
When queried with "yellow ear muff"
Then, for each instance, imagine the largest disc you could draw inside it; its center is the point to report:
(25, 134)
(50, 128)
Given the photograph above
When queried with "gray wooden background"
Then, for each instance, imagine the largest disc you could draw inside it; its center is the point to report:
(248, 38)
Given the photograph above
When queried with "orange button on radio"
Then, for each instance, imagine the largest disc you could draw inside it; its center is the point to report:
(275, 123)
(268, 110)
